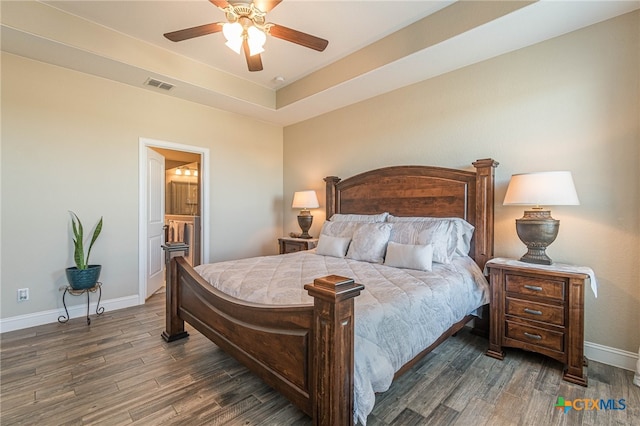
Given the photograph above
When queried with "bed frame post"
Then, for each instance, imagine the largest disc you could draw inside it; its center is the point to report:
(332, 346)
(331, 182)
(483, 245)
(484, 210)
(173, 323)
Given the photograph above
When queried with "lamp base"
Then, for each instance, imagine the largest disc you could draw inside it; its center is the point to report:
(537, 256)
(305, 221)
(537, 230)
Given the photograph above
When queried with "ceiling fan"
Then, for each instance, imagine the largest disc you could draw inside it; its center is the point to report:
(246, 30)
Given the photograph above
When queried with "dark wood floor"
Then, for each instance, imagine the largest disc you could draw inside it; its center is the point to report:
(119, 371)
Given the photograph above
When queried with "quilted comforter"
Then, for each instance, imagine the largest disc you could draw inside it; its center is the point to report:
(399, 313)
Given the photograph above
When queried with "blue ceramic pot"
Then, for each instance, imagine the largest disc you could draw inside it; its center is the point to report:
(81, 279)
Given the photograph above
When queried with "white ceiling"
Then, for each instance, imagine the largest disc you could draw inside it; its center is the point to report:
(350, 26)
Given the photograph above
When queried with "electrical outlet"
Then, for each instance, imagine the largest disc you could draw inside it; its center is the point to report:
(23, 294)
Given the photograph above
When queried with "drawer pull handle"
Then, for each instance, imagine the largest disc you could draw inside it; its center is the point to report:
(533, 336)
(533, 287)
(532, 311)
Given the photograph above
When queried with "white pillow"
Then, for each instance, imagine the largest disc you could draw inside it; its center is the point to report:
(376, 218)
(369, 242)
(332, 246)
(409, 256)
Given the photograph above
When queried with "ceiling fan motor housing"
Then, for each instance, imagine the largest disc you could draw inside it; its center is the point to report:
(236, 13)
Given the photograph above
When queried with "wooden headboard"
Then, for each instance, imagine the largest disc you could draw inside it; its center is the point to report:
(423, 191)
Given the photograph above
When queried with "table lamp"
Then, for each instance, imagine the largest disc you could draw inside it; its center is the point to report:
(305, 200)
(537, 229)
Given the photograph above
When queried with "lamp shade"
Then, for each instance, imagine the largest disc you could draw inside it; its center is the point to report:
(542, 189)
(305, 200)
(256, 40)
(233, 33)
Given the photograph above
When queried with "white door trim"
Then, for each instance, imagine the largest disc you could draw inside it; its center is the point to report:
(144, 143)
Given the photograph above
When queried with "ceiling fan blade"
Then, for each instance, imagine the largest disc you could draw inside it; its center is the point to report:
(198, 31)
(219, 3)
(266, 5)
(254, 63)
(298, 37)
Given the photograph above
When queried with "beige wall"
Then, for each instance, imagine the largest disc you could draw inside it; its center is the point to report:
(70, 142)
(571, 103)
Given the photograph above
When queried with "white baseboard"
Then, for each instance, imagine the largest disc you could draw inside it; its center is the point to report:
(47, 317)
(611, 356)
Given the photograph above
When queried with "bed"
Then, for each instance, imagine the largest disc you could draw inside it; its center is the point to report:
(306, 350)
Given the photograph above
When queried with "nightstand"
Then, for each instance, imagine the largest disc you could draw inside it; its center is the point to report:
(539, 309)
(291, 245)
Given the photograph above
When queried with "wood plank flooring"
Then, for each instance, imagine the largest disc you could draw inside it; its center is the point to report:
(119, 371)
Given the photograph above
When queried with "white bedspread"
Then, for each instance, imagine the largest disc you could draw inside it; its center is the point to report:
(399, 313)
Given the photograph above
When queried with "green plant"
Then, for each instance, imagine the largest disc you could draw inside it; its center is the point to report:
(78, 238)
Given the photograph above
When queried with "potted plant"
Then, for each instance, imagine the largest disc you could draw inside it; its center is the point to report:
(83, 275)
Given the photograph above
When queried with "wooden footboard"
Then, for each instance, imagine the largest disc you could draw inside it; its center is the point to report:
(304, 352)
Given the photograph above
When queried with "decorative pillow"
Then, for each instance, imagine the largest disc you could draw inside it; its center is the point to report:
(369, 242)
(409, 256)
(339, 229)
(462, 231)
(465, 233)
(376, 218)
(332, 246)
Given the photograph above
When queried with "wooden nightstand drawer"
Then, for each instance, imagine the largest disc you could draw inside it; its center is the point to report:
(549, 339)
(533, 286)
(292, 245)
(535, 311)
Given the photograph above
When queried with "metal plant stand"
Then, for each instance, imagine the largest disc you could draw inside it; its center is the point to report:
(95, 289)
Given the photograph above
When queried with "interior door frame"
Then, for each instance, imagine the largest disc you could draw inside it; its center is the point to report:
(143, 144)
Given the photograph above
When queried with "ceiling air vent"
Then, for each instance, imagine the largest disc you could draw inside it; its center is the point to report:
(159, 84)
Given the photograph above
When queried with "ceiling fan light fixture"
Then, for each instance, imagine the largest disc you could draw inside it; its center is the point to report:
(246, 30)
(235, 45)
(256, 40)
(255, 49)
(232, 31)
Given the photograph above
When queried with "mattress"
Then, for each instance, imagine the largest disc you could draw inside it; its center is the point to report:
(399, 313)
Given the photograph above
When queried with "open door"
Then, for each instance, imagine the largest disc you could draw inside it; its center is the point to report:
(155, 156)
(155, 221)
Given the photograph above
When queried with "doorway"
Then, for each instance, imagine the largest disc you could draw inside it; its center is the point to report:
(160, 164)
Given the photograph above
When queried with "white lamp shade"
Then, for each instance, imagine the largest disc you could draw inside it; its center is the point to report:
(542, 189)
(233, 33)
(305, 200)
(235, 45)
(256, 40)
